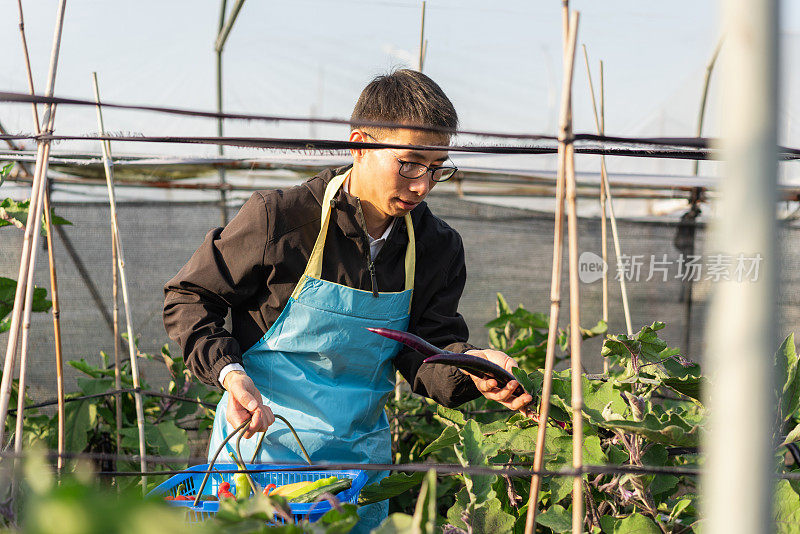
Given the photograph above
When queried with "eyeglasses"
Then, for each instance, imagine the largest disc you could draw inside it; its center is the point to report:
(412, 170)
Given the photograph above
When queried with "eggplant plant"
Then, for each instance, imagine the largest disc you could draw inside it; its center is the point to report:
(647, 412)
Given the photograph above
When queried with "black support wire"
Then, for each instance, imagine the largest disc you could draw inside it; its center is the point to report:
(111, 392)
(448, 469)
(696, 143)
(444, 469)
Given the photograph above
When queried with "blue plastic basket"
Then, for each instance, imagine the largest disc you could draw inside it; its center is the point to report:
(279, 475)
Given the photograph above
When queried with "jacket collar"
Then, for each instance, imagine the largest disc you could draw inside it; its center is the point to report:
(345, 210)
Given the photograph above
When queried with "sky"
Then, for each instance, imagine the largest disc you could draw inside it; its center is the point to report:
(500, 63)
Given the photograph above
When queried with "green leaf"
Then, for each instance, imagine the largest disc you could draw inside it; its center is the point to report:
(597, 330)
(8, 288)
(663, 484)
(14, 213)
(340, 521)
(789, 378)
(679, 508)
(425, 511)
(560, 488)
(476, 451)
(448, 438)
(633, 524)
(78, 422)
(89, 369)
(92, 386)
(489, 517)
(556, 518)
(531, 382)
(793, 436)
(451, 415)
(691, 386)
(672, 429)
(390, 486)
(165, 439)
(787, 508)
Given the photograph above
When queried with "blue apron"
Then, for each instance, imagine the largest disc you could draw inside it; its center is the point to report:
(319, 367)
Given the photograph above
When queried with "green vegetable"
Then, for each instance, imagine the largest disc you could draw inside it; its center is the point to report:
(310, 487)
(335, 487)
(242, 486)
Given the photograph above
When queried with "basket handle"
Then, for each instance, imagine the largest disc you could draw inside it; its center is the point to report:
(240, 432)
(296, 438)
(216, 455)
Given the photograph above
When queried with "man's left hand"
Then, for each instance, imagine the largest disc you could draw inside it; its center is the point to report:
(488, 387)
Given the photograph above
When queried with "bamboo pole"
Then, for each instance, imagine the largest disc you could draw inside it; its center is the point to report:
(422, 42)
(117, 374)
(607, 199)
(741, 332)
(56, 309)
(30, 239)
(603, 221)
(106, 149)
(223, 194)
(574, 295)
(698, 192)
(555, 293)
(701, 115)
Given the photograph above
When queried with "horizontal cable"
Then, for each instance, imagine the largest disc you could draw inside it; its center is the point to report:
(111, 392)
(691, 142)
(453, 469)
(325, 145)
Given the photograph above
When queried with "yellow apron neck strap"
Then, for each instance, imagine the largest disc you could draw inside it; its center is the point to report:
(314, 266)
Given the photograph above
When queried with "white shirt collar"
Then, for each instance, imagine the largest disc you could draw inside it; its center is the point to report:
(385, 235)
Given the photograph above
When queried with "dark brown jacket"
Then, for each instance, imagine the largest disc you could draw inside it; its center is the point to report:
(253, 264)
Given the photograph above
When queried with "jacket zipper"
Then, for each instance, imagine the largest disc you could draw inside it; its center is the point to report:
(370, 264)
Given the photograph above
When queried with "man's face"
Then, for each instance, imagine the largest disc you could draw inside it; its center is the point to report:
(377, 170)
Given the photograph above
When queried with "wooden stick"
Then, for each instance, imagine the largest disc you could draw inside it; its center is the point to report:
(599, 120)
(117, 374)
(422, 39)
(555, 305)
(56, 332)
(574, 287)
(701, 115)
(30, 240)
(106, 149)
(603, 221)
(56, 309)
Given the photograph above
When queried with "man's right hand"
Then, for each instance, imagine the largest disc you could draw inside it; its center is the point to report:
(244, 400)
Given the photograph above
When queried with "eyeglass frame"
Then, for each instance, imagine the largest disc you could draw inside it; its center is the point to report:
(428, 169)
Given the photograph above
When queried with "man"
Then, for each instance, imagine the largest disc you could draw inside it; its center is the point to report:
(303, 271)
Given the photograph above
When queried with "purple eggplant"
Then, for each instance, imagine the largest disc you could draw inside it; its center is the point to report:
(480, 367)
(410, 340)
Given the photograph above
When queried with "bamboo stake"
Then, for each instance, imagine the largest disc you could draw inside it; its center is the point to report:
(223, 198)
(698, 192)
(117, 375)
(422, 42)
(555, 301)
(574, 295)
(106, 149)
(56, 309)
(599, 121)
(702, 113)
(30, 239)
(603, 221)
